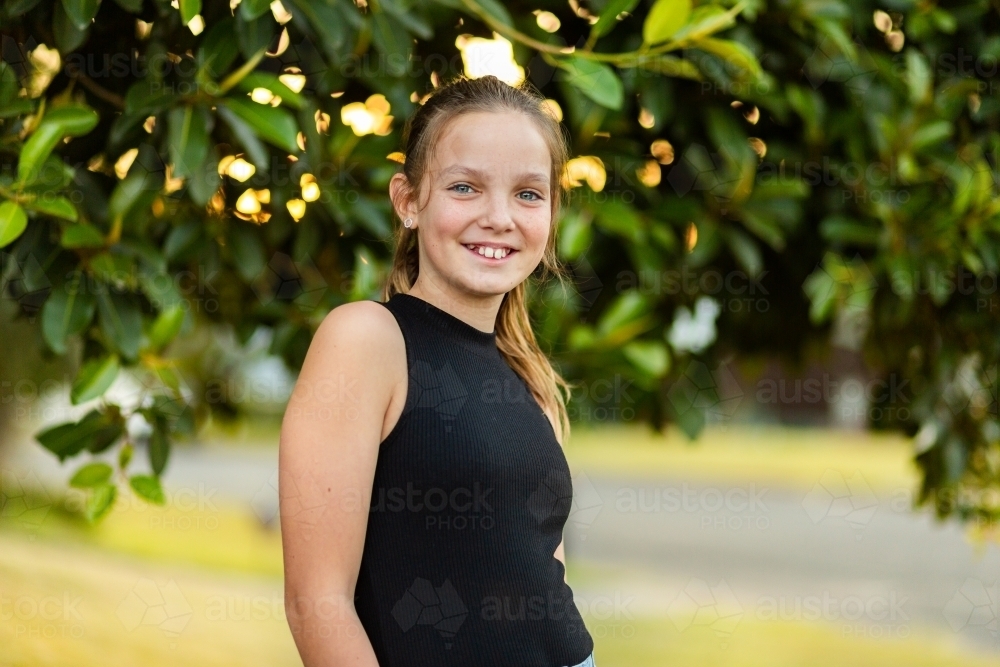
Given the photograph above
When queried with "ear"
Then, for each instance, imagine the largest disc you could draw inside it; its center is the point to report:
(402, 196)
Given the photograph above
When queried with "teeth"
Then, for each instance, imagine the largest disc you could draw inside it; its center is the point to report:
(495, 253)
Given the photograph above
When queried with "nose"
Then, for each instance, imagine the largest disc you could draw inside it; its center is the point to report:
(498, 213)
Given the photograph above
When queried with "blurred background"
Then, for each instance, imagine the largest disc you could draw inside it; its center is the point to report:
(779, 311)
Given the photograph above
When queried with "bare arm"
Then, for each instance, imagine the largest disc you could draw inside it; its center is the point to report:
(329, 445)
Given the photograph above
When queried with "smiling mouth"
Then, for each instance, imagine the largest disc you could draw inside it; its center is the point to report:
(490, 253)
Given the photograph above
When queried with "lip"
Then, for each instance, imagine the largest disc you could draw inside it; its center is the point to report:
(491, 260)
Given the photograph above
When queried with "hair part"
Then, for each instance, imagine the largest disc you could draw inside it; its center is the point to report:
(516, 340)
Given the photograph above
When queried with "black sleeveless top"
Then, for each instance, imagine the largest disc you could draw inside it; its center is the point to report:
(470, 495)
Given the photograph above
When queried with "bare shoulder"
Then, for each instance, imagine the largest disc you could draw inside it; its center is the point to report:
(362, 323)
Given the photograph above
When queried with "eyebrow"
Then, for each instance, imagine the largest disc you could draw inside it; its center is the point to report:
(533, 176)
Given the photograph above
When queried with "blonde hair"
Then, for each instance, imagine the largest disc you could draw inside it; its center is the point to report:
(515, 338)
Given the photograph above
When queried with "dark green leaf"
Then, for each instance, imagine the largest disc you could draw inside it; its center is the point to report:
(68, 36)
(159, 447)
(188, 139)
(93, 379)
(245, 134)
(248, 252)
(219, 48)
(95, 431)
(274, 125)
(255, 35)
(91, 475)
(497, 11)
(121, 322)
(67, 311)
(81, 12)
(251, 9)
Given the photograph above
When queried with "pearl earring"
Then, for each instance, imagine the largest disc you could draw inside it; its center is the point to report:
(408, 222)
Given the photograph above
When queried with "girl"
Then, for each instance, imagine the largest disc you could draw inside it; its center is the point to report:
(423, 486)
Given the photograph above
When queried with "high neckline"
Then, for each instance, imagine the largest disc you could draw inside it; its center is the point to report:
(459, 329)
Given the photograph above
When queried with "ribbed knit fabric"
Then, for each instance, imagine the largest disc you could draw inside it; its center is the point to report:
(470, 496)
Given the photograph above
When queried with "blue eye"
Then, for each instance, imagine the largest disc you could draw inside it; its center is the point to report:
(536, 195)
(460, 185)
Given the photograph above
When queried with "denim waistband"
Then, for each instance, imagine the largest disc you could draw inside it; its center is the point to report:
(589, 662)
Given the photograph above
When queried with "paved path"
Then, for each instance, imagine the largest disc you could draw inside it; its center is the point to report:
(716, 554)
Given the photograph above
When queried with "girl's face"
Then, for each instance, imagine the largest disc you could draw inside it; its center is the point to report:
(488, 207)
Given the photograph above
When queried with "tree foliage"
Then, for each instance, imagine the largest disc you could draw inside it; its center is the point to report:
(834, 161)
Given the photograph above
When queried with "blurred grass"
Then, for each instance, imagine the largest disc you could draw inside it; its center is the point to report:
(787, 457)
(228, 567)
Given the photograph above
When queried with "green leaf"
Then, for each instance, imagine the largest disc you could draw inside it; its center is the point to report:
(595, 80)
(133, 6)
(575, 235)
(189, 9)
(166, 326)
(929, 134)
(497, 11)
(327, 21)
(121, 323)
(57, 207)
(664, 19)
(67, 311)
(188, 139)
(608, 17)
(733, 53)
(274, 125)
(81, 236)
(94, 379)
(273, 84)
(159, 447)
(68, 36)
(393, 42)
(13, 222)
(81, 12)
(101, 500)
(918, 76)
(91, 475)
(254, 36)
(705, 20)
(649, 356)
(245, 134)
(96, 431)
(148, 488)
(72, 120)
(669, 65)
(219, 48)
(251, 9)
(248, 251)
(626, 308)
